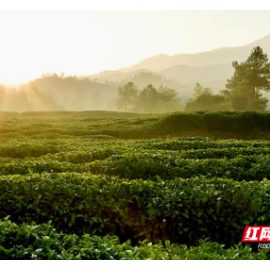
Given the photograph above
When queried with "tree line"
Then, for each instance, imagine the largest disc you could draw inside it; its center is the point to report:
(244, 91)
(150, 99)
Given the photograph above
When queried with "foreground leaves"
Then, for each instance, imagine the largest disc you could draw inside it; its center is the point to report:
(39, 242)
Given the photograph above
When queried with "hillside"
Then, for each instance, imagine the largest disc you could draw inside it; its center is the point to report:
(70, 93)
(210, 68)
(210, 58)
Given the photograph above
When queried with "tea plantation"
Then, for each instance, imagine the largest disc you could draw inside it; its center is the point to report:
(107, 185)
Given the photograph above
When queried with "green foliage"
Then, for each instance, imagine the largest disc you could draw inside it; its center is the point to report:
(204, 100)
(127, 96)
(238, 125)
(207, 102)
(142, 79)
(149, 99)
(200, 90)
(39, 242)
(181, 210)
(249, 79)
(245, 125)
(158, 100)
(43, 242)
(186, 157)
(81, 177)
(243, 90)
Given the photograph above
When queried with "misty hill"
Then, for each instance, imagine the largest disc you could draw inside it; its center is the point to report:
(211, 68)
(52, 92)
(72, 93)
(180, 77)
(187, 74)
(110, 76)
(211, 58)
(58, 93)
(215, 57)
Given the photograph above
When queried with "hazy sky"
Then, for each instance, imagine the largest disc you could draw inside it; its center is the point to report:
(87, 42)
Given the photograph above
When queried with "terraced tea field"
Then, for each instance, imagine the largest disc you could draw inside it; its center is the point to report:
(103, 188)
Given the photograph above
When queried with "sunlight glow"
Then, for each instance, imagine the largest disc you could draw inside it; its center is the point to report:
(88, 42)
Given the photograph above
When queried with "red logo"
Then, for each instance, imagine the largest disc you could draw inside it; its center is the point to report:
(256, 234)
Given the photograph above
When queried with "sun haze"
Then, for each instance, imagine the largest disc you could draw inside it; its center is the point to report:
(88, 42)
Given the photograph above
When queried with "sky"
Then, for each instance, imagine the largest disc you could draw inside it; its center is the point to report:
(88, 42)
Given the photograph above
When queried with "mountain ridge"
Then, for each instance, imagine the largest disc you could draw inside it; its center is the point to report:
(263, 42)
(204, 67)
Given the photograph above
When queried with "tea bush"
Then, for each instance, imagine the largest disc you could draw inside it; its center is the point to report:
(43, 242)
(110, 184)
(180, 210)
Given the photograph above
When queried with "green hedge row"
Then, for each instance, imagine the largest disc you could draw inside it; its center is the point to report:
(215, 124)
(17, 148)
(248, 125)
(43, 242)
(83, 151)
(90, 155)
(196, 143)
(181, 210)
(24, 148)
(168, 166)
(147, 164)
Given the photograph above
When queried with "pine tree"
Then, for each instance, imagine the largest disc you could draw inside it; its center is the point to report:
(249, 79)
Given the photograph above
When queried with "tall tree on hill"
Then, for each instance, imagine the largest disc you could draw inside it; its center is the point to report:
(148, 99)
(127, 96)
(249, 79)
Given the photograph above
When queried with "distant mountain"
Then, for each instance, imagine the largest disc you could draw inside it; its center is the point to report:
(187, 74)
(117, 76)
(211, 68)
(210, 58)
